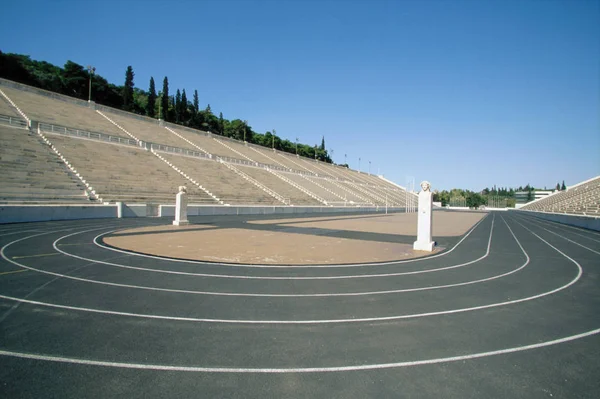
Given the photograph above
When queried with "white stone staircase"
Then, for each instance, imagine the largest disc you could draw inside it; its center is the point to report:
(258, 184)
(368, 193)
(120, 127)
(90, 193)
(17, 108)
(265, 155)
(302, 168)
(182, 173)
(188, 141)
(313, 181)
(335, 183)
(298, 186)
(234, 150)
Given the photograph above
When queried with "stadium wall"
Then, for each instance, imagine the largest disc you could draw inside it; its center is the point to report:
(587, 222)
(43, 213)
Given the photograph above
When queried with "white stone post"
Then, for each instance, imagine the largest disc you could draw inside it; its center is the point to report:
(119, 209)
(181, 207)
(424, 242)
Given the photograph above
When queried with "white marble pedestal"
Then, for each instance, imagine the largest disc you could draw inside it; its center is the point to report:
(424, 241)
(181, 207)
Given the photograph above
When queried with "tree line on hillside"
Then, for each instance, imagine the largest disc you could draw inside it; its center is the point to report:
(487, 196)
(74, 80)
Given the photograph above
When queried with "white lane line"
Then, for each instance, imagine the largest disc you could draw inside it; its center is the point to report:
(290, 266)
(557, 224)
(324, 321)
(540, 222)
(230, 276)
(236, 294)
(18, 232)
(561, 236)
(272, 370)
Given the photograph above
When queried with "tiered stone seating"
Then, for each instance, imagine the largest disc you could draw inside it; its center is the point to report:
(327, 182)
(123, 173)
(228, 186)
(349, 196)
(6, 108)
(32, 173)
(207, 143)
(281, 187)
(45, 109)
(582, 199)
(148, 131)
(247, 152)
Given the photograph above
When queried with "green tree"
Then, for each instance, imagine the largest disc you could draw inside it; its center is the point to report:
(185, 114)
(221, 124)
(165, 100)
(563, 187)
(529, 193)
(178, 106)
(151, 99)
(322, 148)
(557, 186)
(128, 90)
(196, 102)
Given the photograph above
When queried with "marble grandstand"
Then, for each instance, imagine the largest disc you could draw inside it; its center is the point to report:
(580, 199)
(57, 149)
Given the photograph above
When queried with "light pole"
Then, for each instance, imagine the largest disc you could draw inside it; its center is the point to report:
(315, 152)
(296, 145)
(345, 159)
(245, 124)
(369, 168)
(273, 139)
(91, 71)
(331, 151)
(358, 164)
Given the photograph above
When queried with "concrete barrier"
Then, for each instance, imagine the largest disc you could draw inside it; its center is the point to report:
(42, 213)
(587, 222)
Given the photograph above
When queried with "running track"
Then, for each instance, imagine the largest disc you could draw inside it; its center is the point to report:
(511, 309)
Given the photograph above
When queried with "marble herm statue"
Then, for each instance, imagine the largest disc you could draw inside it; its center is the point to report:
(181, 207)
(424, 241)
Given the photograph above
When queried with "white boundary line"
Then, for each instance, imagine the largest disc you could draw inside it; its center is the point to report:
(146, 366)
(331, 321)
(540, 222)
(292, 266)
(229, 276)
(558, 235)
(215, 293)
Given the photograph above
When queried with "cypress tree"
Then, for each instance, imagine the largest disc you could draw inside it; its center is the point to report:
(196, 102)
(151, 99)
(128, 90)
(165, 100)
(557, 186)
(178, 106)
(221, 124)
(323, 144)
(563, 187)
(184, 107)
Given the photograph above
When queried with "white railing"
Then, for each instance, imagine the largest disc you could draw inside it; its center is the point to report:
(12, 121)
(119, 126)
(177, 150)
(66, 131)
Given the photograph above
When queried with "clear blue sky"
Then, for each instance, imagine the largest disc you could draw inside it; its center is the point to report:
(463, 93)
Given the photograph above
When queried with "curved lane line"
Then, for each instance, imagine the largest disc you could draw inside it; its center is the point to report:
(230, 276)
(332, 321)
(214, 293)
(160, 367)
(249, 265)
(563, 237)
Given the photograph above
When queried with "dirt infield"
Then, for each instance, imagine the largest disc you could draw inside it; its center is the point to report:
(311, 240)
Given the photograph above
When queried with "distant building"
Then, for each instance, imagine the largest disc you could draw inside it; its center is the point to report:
(521, 196)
